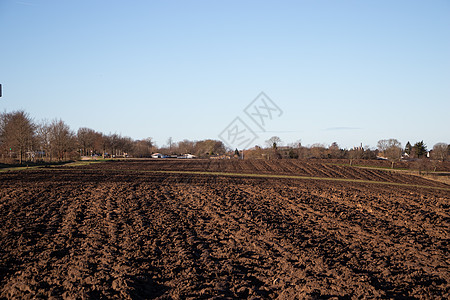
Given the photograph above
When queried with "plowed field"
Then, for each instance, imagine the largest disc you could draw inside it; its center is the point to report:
(176, 229)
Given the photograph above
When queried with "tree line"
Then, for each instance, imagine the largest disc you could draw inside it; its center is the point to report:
(23, 139)
(388, 149)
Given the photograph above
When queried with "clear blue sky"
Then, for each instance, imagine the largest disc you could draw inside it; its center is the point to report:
(346, 71)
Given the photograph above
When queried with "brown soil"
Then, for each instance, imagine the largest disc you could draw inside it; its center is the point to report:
(422, 164)
(276, 167)
(119, 230)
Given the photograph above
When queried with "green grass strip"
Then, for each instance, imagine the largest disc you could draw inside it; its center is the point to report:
(19, 168)
(85, 162)
(45, 166)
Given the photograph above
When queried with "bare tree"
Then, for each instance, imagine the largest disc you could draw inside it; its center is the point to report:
(208, 147)
(170, 143)
(112, 143)
(62, 139)
(391, 149)
(118, 145)
(334, 151)
(369, 153)
(273, 142)
(297, 149)
(186, 146)
(44, 139)
(318, 150)
(18, 132)
(440, 151)
(99, 143)
(86, 140)
(126, 146)
(143, 148)
(4, 118)
(272, 145)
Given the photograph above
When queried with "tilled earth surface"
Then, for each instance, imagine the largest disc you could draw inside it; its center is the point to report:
(102, 231)
(277, 167)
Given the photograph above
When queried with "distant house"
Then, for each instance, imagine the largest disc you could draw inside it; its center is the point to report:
(187, 155)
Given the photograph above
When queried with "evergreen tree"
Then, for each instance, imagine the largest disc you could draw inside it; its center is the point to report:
(408, 148)
(420, 149)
